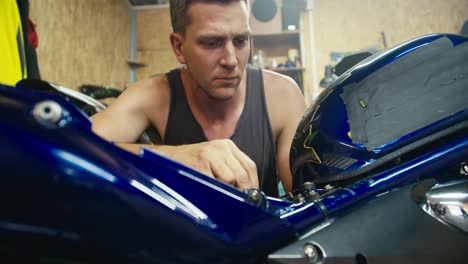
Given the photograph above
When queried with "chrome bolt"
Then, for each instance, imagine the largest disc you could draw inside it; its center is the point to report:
(254, 194)
(311, 253)
(256, 197)
(311, 195)
(48, 113)
(464, 169)
(299, 198)
(308, 186)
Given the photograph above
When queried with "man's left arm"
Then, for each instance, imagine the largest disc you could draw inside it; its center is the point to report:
(292, 109)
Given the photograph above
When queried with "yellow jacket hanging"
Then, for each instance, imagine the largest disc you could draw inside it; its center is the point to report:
(12, 52)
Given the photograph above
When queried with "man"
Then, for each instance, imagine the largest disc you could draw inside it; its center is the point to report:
(217, 114)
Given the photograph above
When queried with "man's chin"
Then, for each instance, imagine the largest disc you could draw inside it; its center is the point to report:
(223, 93)
(221, 97)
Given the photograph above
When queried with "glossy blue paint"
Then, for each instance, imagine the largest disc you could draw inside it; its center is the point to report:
(428, 165)
(330, 122)
(66, 188)
(169, 195)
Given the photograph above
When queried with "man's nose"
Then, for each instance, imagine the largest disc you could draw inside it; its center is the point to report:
(228, 58)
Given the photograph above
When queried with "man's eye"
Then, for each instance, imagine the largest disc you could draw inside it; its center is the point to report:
(211, 43)
(240, 42)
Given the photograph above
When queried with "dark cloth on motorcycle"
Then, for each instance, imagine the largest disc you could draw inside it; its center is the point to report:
(253, 134)
(420, 88)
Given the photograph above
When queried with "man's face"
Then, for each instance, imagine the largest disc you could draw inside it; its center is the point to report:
(216, 47)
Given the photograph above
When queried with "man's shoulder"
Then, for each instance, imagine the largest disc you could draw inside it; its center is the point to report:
(276, 80)
(152, 86)
(281, 92)
(147, 95)
(153, 83)
(279, 85)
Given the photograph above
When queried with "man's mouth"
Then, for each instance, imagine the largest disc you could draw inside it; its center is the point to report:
(228, 78)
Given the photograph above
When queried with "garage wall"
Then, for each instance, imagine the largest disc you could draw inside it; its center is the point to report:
(87, 41)
(153, 46)
(83, 41)
(337, 26)
(353, 25)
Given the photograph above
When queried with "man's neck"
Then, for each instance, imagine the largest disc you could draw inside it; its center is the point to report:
(218, 118)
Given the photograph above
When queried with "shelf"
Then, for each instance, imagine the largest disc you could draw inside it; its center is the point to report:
(132, 63)
(290, 32)
(275, 39)
(284, 69)
(276, 48)
(276, 45)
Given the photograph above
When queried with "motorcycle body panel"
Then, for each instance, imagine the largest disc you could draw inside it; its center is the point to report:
(67, 194)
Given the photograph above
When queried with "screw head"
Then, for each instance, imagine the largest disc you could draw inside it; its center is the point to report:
(308, 186)
(299, 198)
(311, 195)
(253, 194)
(48, 113)
(256, 197)
(311, 253)
(464, 169)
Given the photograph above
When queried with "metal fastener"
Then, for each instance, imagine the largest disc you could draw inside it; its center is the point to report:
(310, 252)
(299, 198)
(256, 197)
(308, 186)
(464, 169)
(311, 195)
(48, 113)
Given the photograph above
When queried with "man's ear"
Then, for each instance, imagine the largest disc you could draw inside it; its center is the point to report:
(176, 43)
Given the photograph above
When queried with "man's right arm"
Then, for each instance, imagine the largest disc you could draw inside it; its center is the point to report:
(124, 121)
(220, 159)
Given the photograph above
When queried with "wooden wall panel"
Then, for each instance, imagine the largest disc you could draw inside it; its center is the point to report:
(353, 25)
(154, 48)
(87, 41)
(83, 41)
(307, 55)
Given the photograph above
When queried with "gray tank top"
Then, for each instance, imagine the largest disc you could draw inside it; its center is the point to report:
(253, 134)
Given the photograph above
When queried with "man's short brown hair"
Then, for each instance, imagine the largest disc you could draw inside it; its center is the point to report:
(180, 18)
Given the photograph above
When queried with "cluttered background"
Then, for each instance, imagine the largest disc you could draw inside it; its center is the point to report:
(112, 43)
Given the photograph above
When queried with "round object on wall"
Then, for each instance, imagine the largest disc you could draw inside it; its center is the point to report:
(264, 10)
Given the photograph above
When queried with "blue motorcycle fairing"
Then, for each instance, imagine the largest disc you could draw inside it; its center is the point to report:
(90, 167)
(68, 194)
(327, 150)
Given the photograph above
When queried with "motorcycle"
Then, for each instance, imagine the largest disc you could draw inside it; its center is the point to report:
(380, 175)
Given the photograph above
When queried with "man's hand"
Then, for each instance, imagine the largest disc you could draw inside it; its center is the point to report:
(220, 159)
(217, 158)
